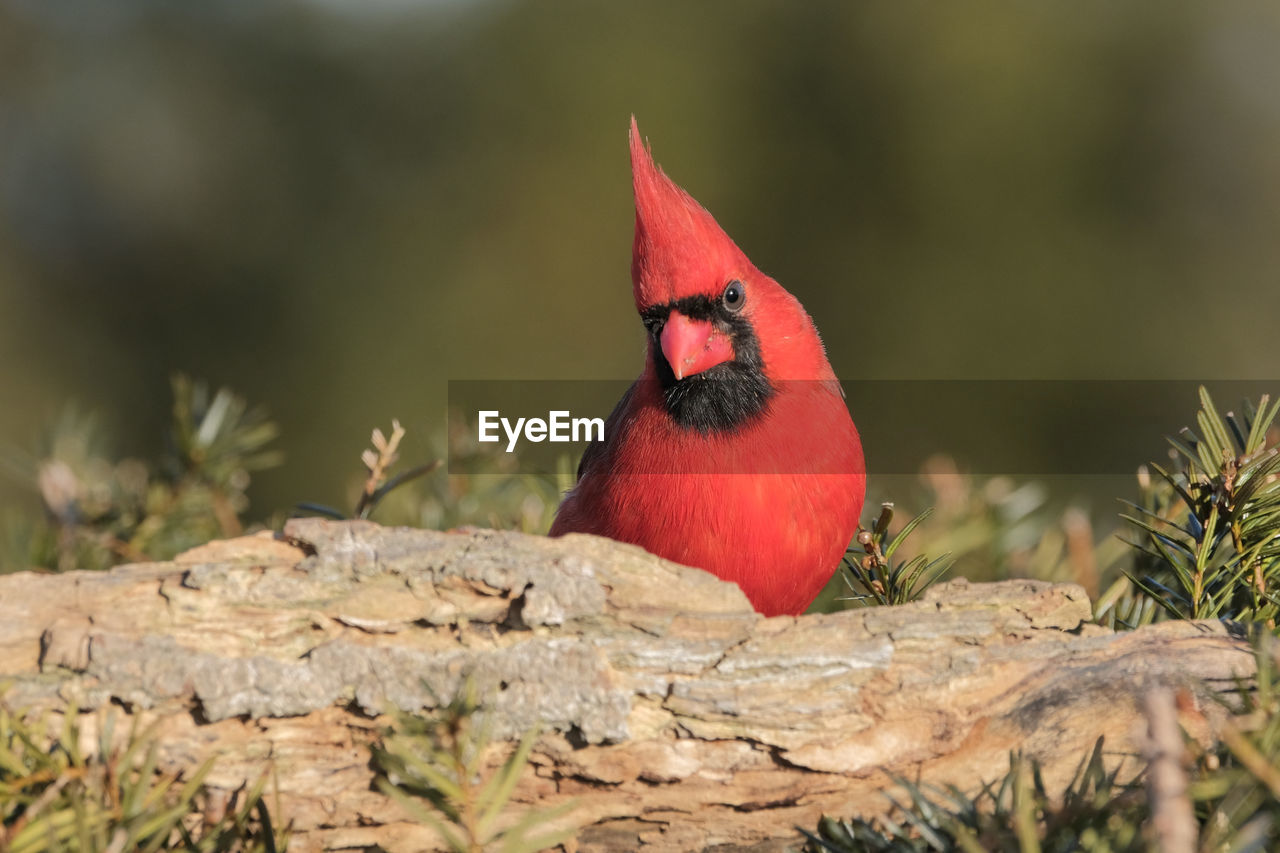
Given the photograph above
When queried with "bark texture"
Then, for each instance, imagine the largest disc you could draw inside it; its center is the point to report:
(673, 716)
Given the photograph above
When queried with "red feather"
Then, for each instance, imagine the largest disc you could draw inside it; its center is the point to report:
(770, 502)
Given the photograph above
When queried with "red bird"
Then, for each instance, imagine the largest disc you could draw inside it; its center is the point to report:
(734, 451)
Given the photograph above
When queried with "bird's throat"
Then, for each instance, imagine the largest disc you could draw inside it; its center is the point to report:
(725, 398)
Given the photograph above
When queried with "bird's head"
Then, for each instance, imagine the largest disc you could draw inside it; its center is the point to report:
(709, 312)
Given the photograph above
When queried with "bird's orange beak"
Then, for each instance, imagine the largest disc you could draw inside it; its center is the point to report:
(692, 346)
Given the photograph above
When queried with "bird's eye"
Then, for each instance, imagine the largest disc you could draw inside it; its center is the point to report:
(735, 296)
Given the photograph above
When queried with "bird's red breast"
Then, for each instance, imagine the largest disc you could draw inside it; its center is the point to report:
(734, 451)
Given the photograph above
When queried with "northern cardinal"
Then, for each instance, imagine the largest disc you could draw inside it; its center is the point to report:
(734, 451)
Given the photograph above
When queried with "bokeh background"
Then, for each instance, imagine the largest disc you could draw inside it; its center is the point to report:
(336, 207)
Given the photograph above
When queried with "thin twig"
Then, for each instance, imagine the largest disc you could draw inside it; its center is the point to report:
(1173, 821)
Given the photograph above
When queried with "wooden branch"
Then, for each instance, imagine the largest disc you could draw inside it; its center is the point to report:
(673, 715)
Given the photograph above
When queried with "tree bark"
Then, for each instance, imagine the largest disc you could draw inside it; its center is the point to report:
(671, 714)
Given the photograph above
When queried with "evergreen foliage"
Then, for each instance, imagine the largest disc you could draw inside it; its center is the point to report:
(99, 512)
(1209, 526)
(56, 797)
(1014, 814)
(435, 766)
(877, 578)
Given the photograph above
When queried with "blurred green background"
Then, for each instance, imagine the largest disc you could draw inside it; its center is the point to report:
(335, 207)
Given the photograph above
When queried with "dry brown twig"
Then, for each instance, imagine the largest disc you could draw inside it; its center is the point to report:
(1173, 819)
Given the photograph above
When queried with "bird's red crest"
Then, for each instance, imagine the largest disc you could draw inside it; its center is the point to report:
(679, 248)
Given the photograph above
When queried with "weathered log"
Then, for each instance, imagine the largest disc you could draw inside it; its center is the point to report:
(672, 714)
